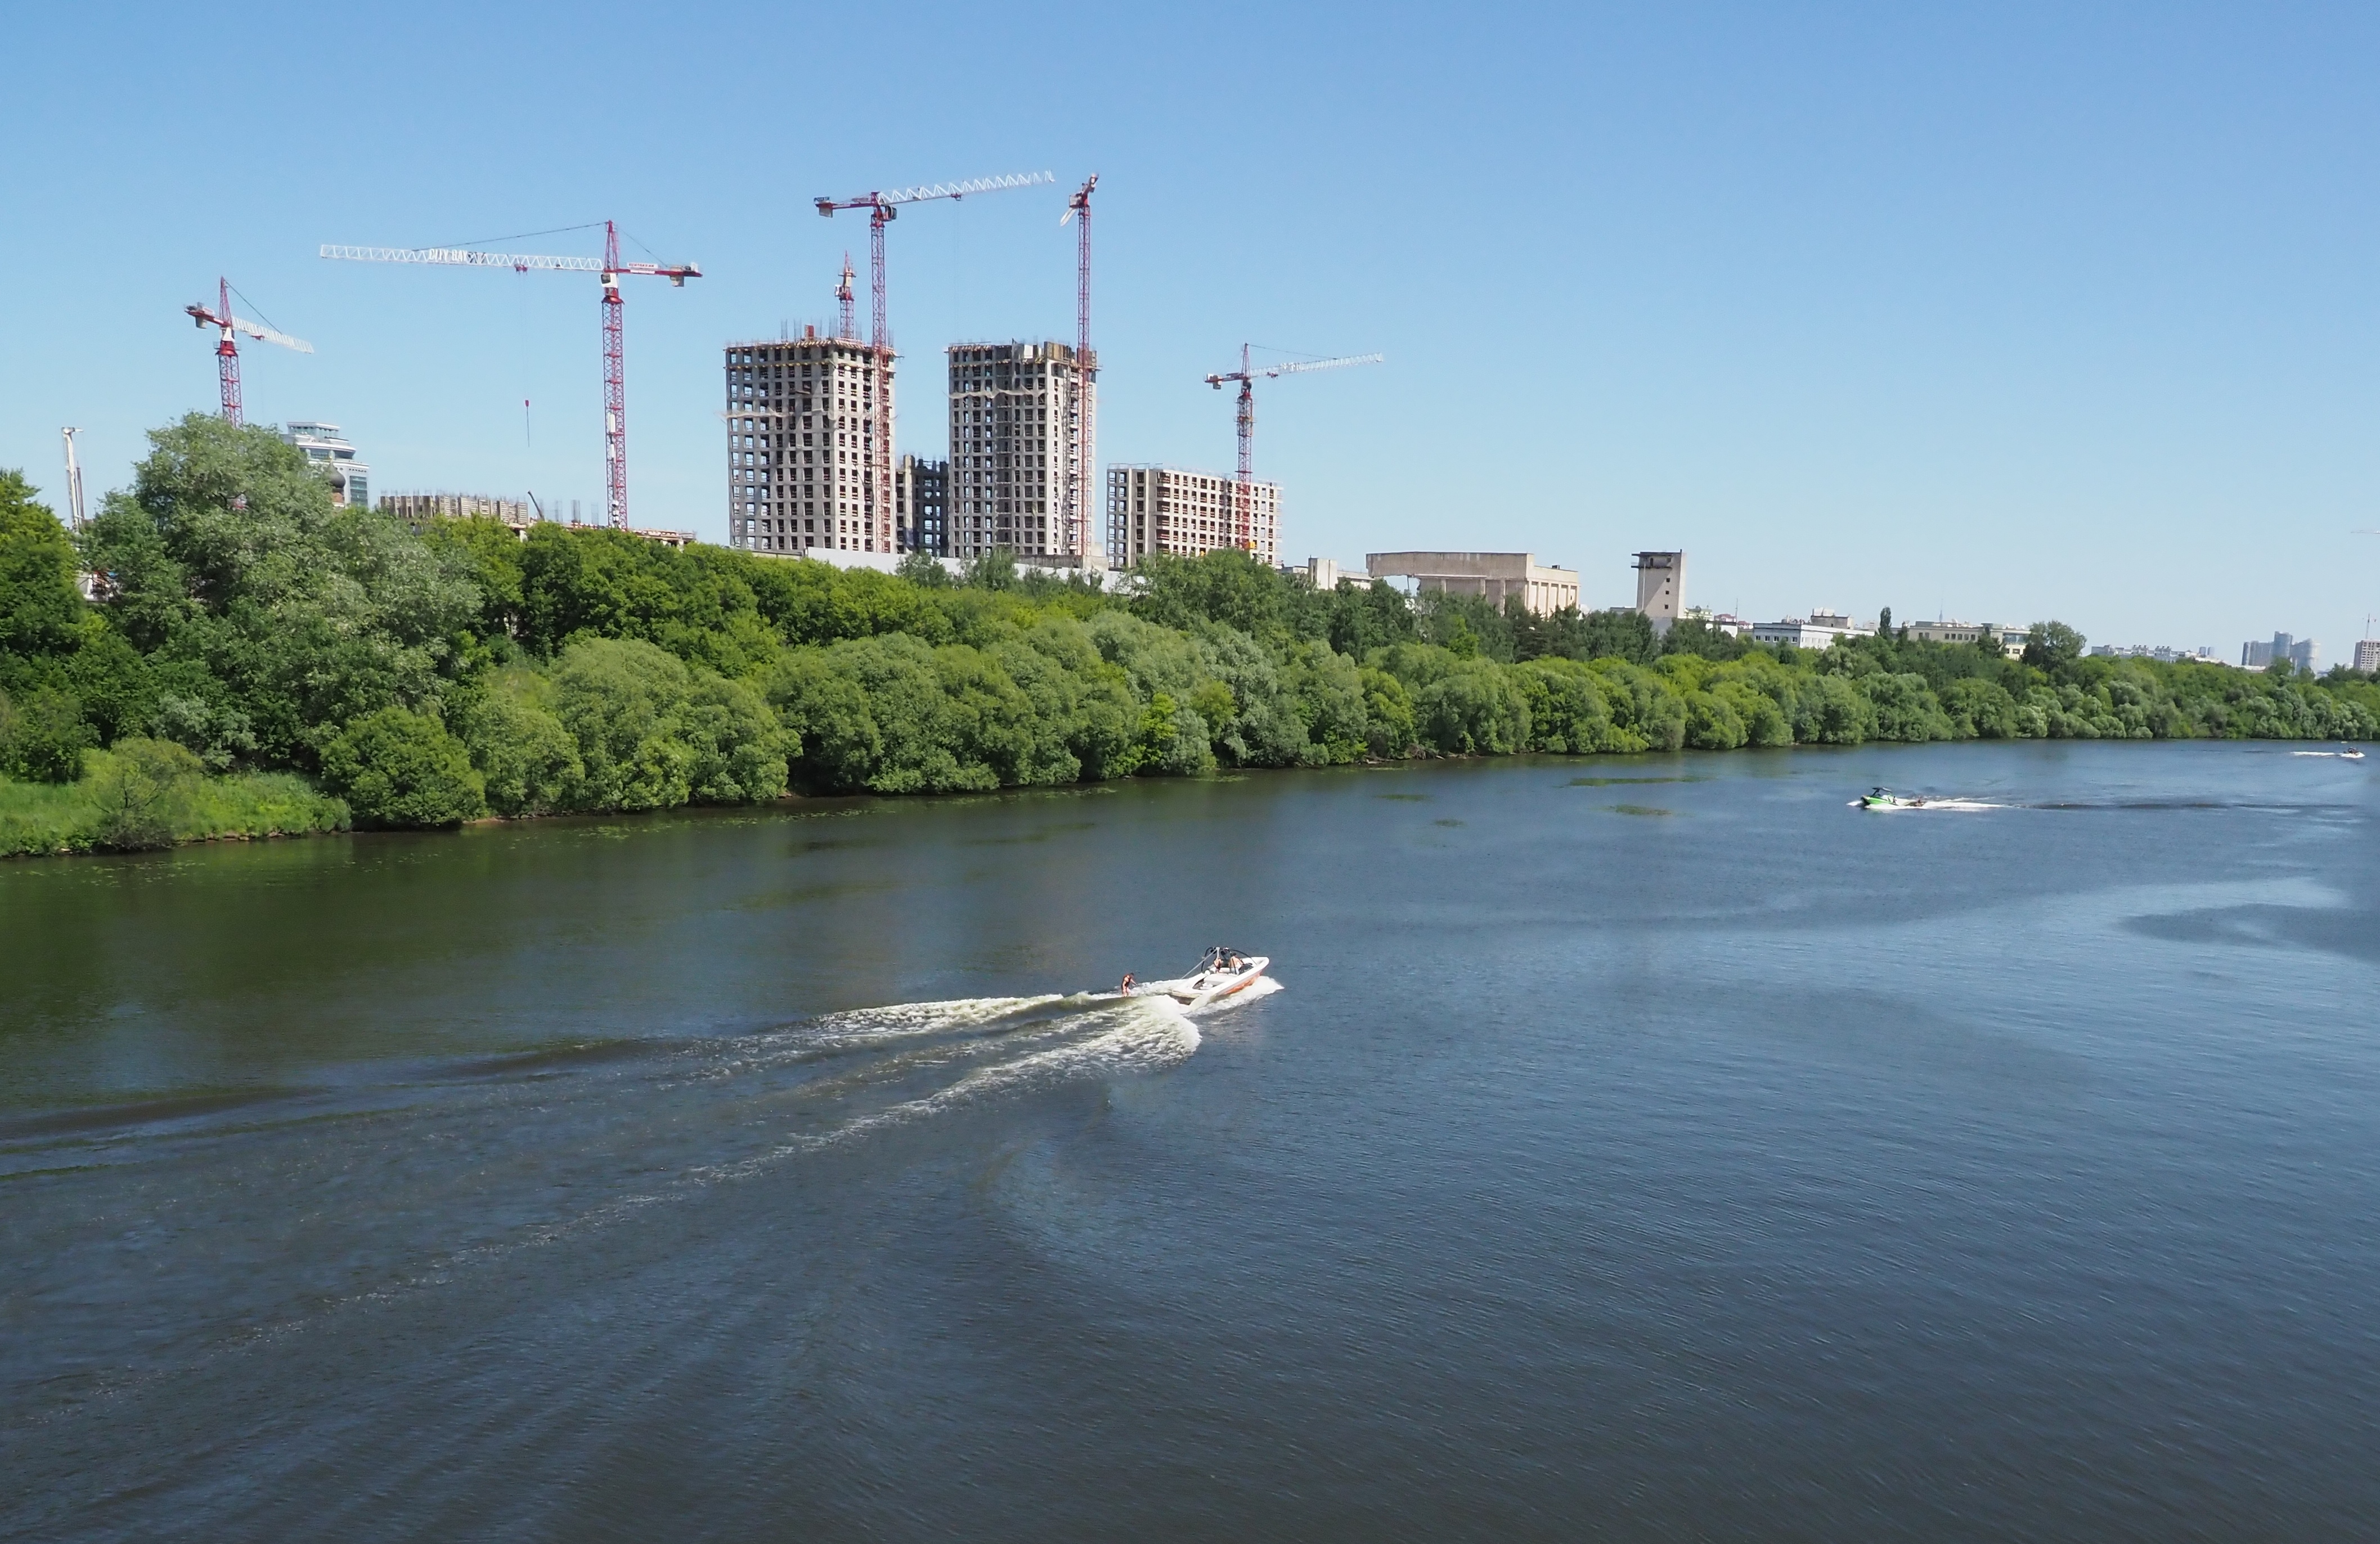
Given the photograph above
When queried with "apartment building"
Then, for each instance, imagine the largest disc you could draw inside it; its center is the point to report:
(2256, 655)
(1020, 436)
(921, 506)
(1166, 509)
(326, 448)
(2367, 655)
(809, 459)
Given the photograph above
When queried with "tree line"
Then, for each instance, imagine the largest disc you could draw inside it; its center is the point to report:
(241, 627)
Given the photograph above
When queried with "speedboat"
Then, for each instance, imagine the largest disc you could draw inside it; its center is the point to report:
(1219, 974)
(1885, 799)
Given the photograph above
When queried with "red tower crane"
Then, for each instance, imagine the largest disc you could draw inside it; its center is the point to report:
(842, 293)
(1244, 490)
(881, 208)
(1082, 432)
(615, 358)
(227, 351)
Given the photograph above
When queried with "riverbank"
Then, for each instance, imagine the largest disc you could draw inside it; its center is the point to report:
(426, 678)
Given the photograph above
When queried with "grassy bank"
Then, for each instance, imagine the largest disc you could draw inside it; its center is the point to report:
(92, 814)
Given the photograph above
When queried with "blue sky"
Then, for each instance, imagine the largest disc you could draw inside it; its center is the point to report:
(2008, 311)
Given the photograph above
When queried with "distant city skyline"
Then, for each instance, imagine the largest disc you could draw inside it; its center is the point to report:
(2022, 312)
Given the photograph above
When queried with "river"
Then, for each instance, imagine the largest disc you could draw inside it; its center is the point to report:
(1634, 1148)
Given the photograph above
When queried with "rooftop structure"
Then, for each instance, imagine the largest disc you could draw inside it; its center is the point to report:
(1167, 509)
(808, 463)
(1661, 587)
(326, 448)
(1494, 575)
(1010, 410)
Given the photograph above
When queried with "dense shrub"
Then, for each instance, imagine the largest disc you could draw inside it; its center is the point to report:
(141, 794)
(396, 767)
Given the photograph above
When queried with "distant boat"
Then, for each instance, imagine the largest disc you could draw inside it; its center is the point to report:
(1885, 799)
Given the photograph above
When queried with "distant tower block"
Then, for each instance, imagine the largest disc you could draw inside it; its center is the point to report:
(1661, 587)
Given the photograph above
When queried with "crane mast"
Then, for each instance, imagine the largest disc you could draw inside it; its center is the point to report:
(1082, 435)
(610, 268)
(1244, 487)
(882, 207)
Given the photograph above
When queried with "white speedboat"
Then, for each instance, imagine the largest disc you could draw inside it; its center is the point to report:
(1221, 973)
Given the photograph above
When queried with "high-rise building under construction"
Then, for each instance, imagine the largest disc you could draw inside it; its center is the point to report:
(1017, 423)
(1165, 509)
(809, 455)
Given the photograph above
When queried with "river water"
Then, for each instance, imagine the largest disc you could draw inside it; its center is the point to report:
(1634, 1148)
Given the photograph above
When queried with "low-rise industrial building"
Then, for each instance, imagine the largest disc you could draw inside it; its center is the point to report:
(2009, 640)
(1821, 629)
(1324, 573)
(1495, 576)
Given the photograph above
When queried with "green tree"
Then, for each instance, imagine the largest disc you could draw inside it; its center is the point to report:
(229, 565)
(40, 607)
(2051, 645)
(995, 570)
(396, 767)
(42, 736)
(924, 570)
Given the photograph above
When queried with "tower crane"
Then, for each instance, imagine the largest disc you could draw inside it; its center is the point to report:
(881, 207)
(1082, 433)
(616, 359)
(227, 351)
(1243, 492)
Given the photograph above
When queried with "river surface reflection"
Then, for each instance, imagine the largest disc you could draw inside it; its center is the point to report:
(1634, 1148)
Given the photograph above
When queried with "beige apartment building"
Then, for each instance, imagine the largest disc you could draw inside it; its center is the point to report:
(1166, 509)
(810, 453)
(1020, 425)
